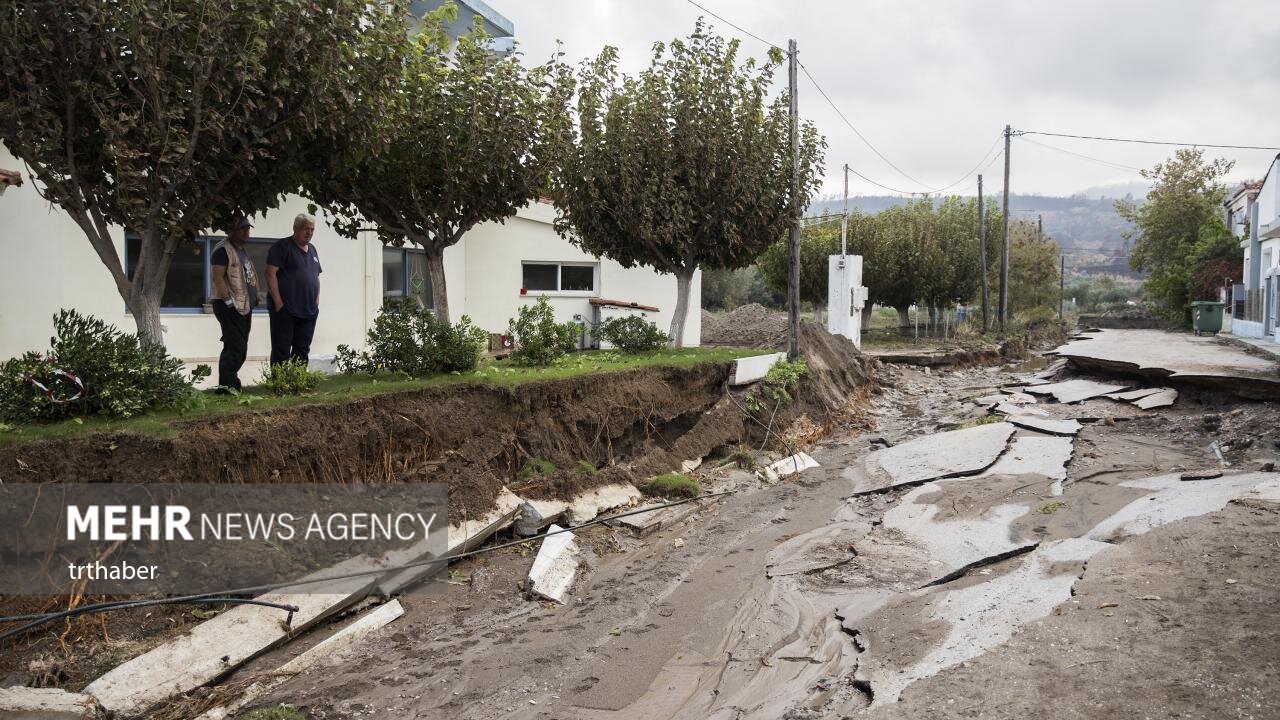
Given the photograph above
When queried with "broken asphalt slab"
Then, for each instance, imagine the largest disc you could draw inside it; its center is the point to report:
(1044, 424)
(1164, 398)
(949, 454)
(1159, 355)
(1070, 391)
(959, 624)
(1172, 499)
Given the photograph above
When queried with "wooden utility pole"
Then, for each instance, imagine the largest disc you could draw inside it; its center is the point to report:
(982, 253)
(793, 249)
(1062, 283)
(1004, 250)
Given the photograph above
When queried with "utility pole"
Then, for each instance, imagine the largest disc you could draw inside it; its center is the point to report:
(1062, 283)
(844, 222)
(793, 250)
(1040, 226)
(982, 253)
(1004, 250)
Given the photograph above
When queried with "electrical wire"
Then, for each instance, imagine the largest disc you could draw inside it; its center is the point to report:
(1145, 142)
(731, 24)
(1100, 161)
(221, 595)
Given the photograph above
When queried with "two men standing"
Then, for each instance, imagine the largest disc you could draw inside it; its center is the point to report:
(293, 284)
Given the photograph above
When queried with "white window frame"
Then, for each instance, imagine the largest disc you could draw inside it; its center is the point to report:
(595, 279)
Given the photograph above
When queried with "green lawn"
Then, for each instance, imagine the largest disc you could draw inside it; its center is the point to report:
(337, 388)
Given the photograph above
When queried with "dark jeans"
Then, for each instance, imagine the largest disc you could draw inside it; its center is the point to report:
(290, 337)
(235, 343)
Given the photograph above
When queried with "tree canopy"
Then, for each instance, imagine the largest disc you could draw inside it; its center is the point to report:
(1177, 231)
(169, 118)
(686, 165)
(469, 136)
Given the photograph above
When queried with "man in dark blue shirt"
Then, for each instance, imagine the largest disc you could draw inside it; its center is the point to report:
(293, 280)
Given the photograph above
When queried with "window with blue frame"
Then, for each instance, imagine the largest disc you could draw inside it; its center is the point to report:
(404, 274)
(188, 287)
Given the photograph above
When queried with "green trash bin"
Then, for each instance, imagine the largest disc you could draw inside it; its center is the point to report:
(1206, 316)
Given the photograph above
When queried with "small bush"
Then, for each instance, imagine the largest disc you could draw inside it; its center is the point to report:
(407, 338)
(673, 485)
(743, 457)
(290, 377)
(586, 467)
(782, 378)
(540, 340)
(633, 334)
(537, 467)
(123, 376)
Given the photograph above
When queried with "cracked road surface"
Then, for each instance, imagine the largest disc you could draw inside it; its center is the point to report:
(1062, 582)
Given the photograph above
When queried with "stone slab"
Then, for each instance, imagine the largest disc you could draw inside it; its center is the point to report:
(25, 703)
(326, 649)
(1069, 391)
(967, 451)
(1044, 425)
(1164, 398)
(753, 369)
(555, 566)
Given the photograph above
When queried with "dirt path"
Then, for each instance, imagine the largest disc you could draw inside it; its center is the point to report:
(794, 600)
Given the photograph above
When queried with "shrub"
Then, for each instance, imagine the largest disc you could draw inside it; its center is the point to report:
(537, 466)
(673, 484)
(122, 375)
(290, 377)
(586, 467)
(782, 378)
(633, 334)
(407, 338)
(540, 340)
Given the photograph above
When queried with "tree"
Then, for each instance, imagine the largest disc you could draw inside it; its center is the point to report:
(818, 241)
(1033, 269)
(168, 118)
(1167, 229)
(687, 165)
(469, 137)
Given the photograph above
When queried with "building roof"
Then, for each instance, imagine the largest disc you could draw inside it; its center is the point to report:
(495, 23)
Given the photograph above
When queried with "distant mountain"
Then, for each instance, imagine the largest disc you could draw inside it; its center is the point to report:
(1138, 189)
(1080, 222)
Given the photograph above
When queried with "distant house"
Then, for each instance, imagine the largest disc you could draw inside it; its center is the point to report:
(1254, 304)
(491, 272)
(1236, 206)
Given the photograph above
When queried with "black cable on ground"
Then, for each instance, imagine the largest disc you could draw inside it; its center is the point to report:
(221, 595)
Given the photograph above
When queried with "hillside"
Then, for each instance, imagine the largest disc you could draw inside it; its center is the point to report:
(1078, 222)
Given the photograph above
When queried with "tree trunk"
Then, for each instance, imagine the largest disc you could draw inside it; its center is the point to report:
(904, 319)
(146, 290)
(684, 282)
(439, 290)
(932, 328)
(867, 311)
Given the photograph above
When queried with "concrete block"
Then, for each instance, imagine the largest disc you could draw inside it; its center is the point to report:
(588, 505)
(753, 369)
(24, 703)
(555, 566)
(791, 465)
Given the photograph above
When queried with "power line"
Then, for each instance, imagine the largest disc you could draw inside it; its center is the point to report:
(1116, 165)
(994, 143)
(733, 25)
(1145, 142)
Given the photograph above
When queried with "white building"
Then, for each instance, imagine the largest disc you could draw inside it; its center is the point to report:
(492, 271)
(1255, 305)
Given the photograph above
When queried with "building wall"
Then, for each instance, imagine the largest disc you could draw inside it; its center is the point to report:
(494, 275)
(50, 265)
(1269, 203)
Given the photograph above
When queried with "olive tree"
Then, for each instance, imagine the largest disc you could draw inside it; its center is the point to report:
(168, 118)
(686, 165)
(470, 136)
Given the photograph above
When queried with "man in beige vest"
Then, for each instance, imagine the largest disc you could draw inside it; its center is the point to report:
(235, 295)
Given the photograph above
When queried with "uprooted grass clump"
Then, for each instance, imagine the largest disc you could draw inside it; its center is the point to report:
(279, 712)
(537, 467)
(743, 457)
(585, 467)
(673, 484)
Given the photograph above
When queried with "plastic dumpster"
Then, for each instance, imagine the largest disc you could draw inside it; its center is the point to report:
(1206, 316)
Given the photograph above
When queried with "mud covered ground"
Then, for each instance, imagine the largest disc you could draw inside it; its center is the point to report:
(794, 600)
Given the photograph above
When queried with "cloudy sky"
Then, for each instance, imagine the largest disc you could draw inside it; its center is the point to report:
(932, 83)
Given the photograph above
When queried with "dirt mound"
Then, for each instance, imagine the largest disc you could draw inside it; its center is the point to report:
(839, 376)
(752, 325)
